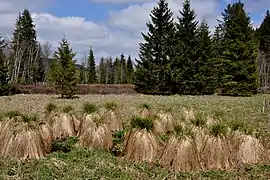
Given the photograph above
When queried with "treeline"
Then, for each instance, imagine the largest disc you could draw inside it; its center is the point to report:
(109, 70)
(183, 57)
(24, 60)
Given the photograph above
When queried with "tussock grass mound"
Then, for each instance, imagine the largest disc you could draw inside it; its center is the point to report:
(62, 126)
(23, 139)
(180, 155)
(164, 123)
(188, 114)
(113, 117)
(141, 146)
(216, 154)
(249, 150)
(87, 121)
(97, 136)
(145, 111)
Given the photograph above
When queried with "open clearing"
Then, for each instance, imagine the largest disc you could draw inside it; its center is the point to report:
(96, 164)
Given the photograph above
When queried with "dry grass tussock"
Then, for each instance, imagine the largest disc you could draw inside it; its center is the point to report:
(188, 114)
(97, 136)
(22, 140)
(114, 120)
(249, 150)
(62, 126)
(141, 146)
(164, 123)
(216, 153)
(180, 155)
(87, 121)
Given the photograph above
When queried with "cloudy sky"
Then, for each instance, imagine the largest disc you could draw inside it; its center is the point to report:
(112, 27)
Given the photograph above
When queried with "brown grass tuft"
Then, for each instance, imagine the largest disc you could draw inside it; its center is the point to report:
(188, 114)
(180, 155)
(216, 154)
(145, 113)
(164, 123)
(250, 150)
(96, 136)
(88, 120)
(22, 140)
(62, 126)
(141, 145)
(114, 120)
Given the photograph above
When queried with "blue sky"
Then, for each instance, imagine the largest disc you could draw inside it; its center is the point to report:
(111, 27)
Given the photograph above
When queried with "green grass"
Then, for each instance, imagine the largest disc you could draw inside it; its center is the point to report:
(94, 164)
(89, 108)
(67, 109)
(110, 105)
(142, 123)
(50, 107)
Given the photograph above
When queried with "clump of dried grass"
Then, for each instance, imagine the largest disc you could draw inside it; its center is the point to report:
(62, 126)
(249, 150)
(141, 145)
(145, 111)
(87, 121)
(97, 136)
(112, 117)
(180, 155)
(188, 114)
(164, 123)
(24, 139)
(216, 153)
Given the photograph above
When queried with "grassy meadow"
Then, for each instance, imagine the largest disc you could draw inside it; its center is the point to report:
(97, 164)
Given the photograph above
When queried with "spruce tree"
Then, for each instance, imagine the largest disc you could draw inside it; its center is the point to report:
(123, 69)
(207, 70)
(153, 67)
(117, 71)
(110, 71)
(186, 64)
(92, 78)
(63, 72)
(130, 71)
(4, 78)
(102, 71)
(239, 52)
(263, 35)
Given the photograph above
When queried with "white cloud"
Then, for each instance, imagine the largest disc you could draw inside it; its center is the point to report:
(120, 34)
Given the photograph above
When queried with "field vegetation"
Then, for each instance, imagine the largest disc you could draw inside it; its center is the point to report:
(151, 137)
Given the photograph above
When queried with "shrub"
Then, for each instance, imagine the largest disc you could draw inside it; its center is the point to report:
(50, 107)
(89, 108)
(219, 129)
(68, 108)
(143, 123)
(64, 145)
(110, 105)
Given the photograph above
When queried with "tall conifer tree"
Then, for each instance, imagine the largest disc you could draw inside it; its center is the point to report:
(92, 78)
(153, 66)
(239, 52)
